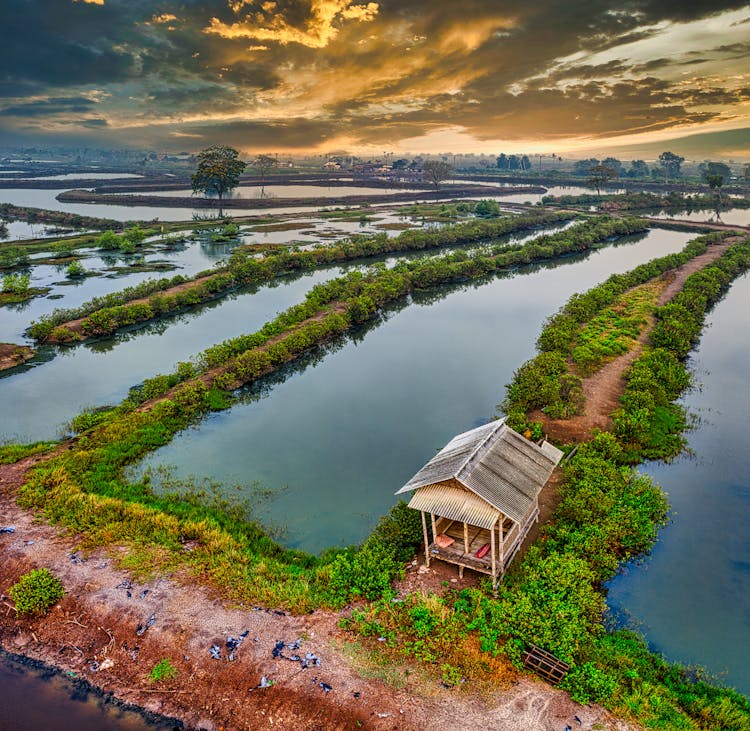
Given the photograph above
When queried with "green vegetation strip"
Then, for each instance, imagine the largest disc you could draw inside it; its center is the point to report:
(107, 313)
(546, 382)
(643, 201)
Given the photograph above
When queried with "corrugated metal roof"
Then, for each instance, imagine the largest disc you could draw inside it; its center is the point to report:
(455, 503)
(496, 463)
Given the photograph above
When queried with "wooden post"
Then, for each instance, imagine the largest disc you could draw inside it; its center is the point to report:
(434, 528)
(492, 552)
(426, 540)
(466, 538)
(502, 544)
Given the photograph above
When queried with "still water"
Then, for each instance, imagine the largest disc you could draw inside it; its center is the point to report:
(341, 434)
(39, 398)
(692, 598)
(39, 700)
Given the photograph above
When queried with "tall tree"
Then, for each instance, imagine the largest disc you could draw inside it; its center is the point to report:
(436, 171)
(502, 161)
(715, 181)
(715, 168)
(600, 175)
(264, 164)
(614, 164)
(671, 164)
(525, 163)
(218, 172)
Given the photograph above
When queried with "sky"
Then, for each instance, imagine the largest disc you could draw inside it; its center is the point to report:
(420, 76)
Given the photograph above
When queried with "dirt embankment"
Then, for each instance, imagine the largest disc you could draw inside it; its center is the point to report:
(602, 390)
(128, 199)
(93, 633)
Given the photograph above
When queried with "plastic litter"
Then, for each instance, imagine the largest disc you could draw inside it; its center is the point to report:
(76, 557)
(265, 682)
(143, 627)
(234, 642)
(356, 694)
(8, 529)
(309, 660)
(143, 593)
(126, 584)
(215, 652)
(327, 688)
(578, 720)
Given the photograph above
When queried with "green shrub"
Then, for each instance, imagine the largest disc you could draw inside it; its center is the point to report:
(75, 269)
(36, 592)
(163, 670)
(587, 684)
(16, 283)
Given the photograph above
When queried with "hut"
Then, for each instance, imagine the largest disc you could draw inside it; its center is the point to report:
(481, 492)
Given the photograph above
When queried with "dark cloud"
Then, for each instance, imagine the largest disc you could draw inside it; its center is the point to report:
(45, 107)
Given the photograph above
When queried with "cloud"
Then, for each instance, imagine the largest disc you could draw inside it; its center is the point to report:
(295, 73)
(46, 107)
(318, 29)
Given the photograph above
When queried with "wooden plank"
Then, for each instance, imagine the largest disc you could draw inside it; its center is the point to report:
(466, 537)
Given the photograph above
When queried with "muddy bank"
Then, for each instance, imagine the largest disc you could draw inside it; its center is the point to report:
(473, 191)
(12, 355)
(35, 688)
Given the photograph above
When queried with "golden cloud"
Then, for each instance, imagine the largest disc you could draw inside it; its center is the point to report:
(91, 2)
(321, 27)
(163, 18)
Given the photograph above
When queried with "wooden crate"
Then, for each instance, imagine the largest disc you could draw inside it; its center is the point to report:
(545, 664)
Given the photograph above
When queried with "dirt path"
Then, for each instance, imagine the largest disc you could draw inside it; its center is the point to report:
(602, 390)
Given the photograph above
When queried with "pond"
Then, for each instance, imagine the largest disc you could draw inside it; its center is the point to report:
(39, 398)
(733, 216)
(692, 598)
(36, 698)
(186, 259)
(340, 434)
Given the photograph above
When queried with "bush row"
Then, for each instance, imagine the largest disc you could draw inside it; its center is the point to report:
(649, 423)
(360, 294)
(106, 313)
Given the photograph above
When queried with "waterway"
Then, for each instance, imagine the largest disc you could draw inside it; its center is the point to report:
(338, 434)
(692, 598)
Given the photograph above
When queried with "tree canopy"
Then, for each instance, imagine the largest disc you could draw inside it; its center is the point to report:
(671, 164)
(436, 171)
(219, 170)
